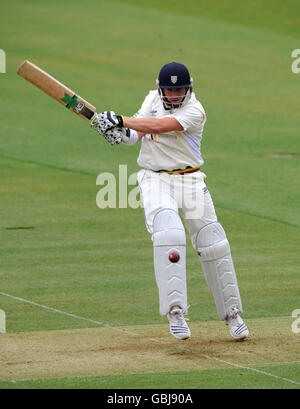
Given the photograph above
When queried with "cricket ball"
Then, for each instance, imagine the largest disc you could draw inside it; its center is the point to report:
(174, 257)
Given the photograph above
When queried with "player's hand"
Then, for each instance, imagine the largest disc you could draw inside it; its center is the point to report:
(106, 120)
(126, 135)
(114, 136)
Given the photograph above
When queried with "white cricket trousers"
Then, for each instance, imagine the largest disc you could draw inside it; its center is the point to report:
(186, 194)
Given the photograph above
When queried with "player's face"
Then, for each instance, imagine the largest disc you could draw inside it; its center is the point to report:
(174, 95)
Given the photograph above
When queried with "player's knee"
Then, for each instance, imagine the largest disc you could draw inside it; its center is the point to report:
(168, 229)
(211, 242)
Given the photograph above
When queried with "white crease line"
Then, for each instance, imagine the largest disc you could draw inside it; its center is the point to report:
(252, 369)
(67, 313)
(52, 309)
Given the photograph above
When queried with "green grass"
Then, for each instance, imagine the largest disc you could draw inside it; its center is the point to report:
(95, 263)
(207, 379)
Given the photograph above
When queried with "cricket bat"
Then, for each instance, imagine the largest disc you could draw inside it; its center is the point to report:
(56, 90)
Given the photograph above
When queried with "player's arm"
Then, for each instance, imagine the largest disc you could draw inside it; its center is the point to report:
(108, 120)
(152, 125)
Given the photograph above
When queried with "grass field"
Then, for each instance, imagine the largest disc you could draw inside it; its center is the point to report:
(77, 282)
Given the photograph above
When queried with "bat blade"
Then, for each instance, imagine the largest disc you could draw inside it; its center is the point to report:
(55, 89)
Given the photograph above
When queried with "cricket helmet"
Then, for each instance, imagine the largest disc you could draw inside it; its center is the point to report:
(174, 75)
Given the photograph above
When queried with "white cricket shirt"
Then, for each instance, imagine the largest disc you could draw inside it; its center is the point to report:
(177, 149)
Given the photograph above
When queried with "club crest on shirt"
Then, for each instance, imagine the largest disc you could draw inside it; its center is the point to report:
(173, 79)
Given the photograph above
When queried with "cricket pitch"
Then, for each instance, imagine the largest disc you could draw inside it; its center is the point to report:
(124, 350)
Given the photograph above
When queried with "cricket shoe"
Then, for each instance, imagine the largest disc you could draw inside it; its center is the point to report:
(178, 326)
(238, 329)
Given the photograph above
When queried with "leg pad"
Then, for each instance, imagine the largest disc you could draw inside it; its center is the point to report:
(169, 238)
(215, 256)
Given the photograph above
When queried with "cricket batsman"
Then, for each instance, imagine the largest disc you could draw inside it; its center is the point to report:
(170, 125)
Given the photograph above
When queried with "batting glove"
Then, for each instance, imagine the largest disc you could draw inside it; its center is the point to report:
(107, 120)
(129, 137)
(114, 136)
